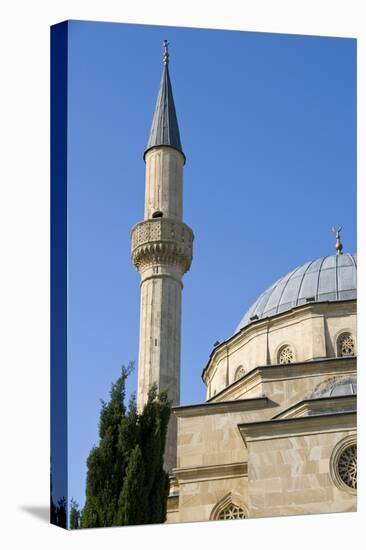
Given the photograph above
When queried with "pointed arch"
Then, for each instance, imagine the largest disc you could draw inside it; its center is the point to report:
(231, 506)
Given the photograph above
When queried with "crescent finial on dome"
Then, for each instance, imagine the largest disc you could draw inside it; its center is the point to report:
(338, 245)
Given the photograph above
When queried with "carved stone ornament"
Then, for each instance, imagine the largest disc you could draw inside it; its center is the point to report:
(232, 512)
(161, 241)
(229, 507)
(286, 355)
(347, 466)
(346, 345)
(343, 464)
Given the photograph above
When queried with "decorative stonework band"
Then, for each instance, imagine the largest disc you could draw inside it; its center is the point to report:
(161, 241)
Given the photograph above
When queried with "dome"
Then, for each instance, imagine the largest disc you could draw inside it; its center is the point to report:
(330, 278)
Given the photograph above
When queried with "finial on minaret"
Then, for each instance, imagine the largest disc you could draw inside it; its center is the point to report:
(166, 52)
(338, 245)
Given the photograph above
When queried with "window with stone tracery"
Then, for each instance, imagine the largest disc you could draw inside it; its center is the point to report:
(347, 466)
(229, 507)
(286, 355)
(345, 345)
(343, 464)
(232, 512)
(239, 373)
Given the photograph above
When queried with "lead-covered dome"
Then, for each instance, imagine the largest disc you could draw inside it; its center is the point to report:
(330, 278)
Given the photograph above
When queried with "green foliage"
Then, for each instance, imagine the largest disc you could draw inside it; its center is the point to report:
(133, 499)
(74, 515)
(153, 428)
(105, 463)
(158, 497)
(126, 483)
(58, 513)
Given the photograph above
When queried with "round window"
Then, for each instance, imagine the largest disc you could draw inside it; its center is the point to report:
(347, 466)
(343, 464)
(286, 355)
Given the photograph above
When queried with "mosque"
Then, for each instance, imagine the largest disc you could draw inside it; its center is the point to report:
(276, 435)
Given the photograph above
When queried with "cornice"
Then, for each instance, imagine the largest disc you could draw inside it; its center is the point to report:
(204, 409)
(292, 427)
(270, 373)
(308, 406)
(206, 473)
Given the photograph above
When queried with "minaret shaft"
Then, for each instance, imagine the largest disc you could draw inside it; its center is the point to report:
(160, 327)
(164, 179)
(162, 253)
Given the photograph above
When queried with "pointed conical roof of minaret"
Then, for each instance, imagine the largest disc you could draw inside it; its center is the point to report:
(164, 128)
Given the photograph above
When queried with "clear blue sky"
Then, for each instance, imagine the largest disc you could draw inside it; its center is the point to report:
(267, 123)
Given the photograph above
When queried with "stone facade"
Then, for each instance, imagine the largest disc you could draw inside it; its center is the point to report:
(265, 442)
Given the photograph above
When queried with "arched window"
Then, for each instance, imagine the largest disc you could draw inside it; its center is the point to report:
(239, 373)
(345, 345)
(285, 355)
(232, 512)
(229, 507)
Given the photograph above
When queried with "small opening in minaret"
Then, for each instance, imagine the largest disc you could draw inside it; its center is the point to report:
(157, 214)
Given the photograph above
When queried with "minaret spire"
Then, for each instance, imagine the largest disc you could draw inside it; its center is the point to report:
(164, 127)
(162, 253)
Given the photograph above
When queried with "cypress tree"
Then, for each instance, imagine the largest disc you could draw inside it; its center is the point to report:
(106, 464)
(57, 512)
(158, 498)
(129, 432)
(53, 509)
(74, 515)
(126, 483)
(133, 499)
(61, 512)
(154, 424)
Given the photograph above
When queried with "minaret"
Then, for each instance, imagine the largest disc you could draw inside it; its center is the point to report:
(162, 253)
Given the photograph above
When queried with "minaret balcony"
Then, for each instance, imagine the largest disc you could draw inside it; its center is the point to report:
(161, 241)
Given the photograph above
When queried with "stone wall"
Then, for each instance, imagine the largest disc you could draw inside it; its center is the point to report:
(292, 475)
